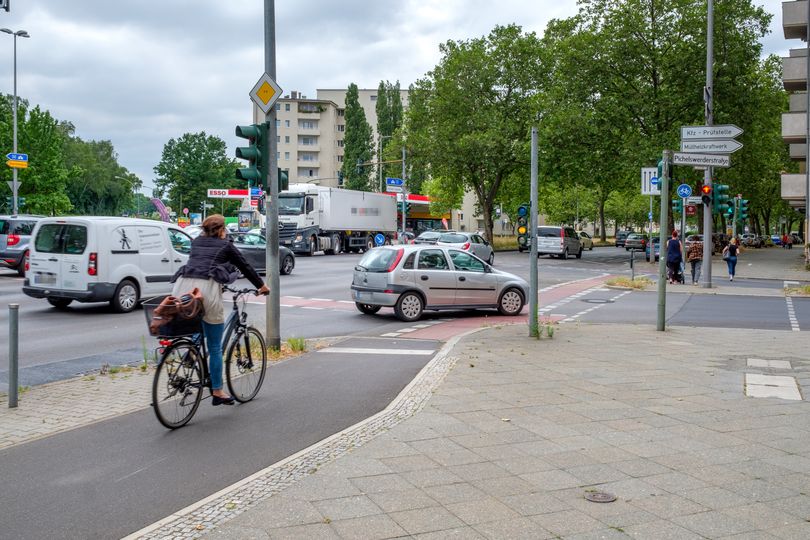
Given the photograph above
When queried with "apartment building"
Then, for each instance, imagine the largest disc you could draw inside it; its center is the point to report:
(794, 122)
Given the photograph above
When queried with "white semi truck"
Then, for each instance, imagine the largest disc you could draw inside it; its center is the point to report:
(315, 218)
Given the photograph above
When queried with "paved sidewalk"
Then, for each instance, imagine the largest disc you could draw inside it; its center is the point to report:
(520, 430)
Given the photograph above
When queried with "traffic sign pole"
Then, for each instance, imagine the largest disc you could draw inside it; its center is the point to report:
(534, 324)
(273, 304)
(662, 258)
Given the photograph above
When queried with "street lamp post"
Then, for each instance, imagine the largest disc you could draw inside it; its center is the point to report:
(380, 159)
(14, 186)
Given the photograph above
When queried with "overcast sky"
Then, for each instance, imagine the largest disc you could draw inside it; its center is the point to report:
(142, 72)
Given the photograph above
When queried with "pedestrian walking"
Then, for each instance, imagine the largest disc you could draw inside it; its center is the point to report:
(674, 257)
(730, 254)
(695, 258)
(784, 241)
(789, 240)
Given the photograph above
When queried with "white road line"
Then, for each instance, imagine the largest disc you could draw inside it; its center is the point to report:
(285, 305)
(322, 299)
(391, 334)
(406, 330)
(314, 308)
(345, 302)
(794, 322)
(358, 350)
(296, 297)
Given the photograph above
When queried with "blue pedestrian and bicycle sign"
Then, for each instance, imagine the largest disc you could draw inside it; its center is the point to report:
(654, 180)
(394, 181)
(684, 191)
(17, 157)
(379, 239)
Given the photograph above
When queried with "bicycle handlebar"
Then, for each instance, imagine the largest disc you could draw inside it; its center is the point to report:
(240, 292)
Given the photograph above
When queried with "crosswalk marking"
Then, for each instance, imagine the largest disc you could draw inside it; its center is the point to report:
(358, 350)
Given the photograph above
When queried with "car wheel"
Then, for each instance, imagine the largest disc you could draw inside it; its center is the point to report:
(590, 248)
(125, 298)
(564, 255)
(579, 253)
(287, 265)
(511, 302)
(369, 243)
(59, 303)
(409, 307)
(491, 259)
(368, 309)
(313, 245)
(21, 266)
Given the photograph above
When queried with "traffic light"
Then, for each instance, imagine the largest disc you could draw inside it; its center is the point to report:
(359, 168)
(744, 208)
(721, 198)
(677, 205)
(283, 180)
(256, 171)
(706, 194)
(730, 213)
(340, 178)
(523, 226)
(408, 208)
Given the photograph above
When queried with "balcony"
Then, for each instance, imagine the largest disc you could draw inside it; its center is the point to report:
(794, 188)
(798, 152)
(794, 19)
(798, 102)
(309, 147)
(794, 71)
(308, 164)
(794, 127)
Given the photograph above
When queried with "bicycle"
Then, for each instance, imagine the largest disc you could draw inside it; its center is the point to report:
(182, 370)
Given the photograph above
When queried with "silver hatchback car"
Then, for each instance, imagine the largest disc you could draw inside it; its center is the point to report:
(415, 278)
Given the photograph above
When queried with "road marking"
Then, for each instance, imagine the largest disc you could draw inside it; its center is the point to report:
(345, 302)
(573, 318)
(794, 322)
(296, 297)
(391, 334)
(315, 308)
(321, 299)
(357, 350)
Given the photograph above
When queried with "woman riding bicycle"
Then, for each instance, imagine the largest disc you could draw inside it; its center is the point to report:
(211, 265)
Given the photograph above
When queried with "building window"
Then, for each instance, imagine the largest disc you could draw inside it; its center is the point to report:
(278, 106)
(278, 138)
(278, 156)
(340, 143)
(373, 98)
(286, 123)
(278, 124)
(287, 139)
(340, 159)
(311, 172)
(286, 155)
(286, 106)
(307, 141)
(307, 124)
(341, 128)
(341, 112)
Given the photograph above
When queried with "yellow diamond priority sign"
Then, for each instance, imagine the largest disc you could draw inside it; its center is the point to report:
(265, 93)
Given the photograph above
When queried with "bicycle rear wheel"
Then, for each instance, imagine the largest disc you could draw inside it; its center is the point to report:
(245, 364)
(177, 386)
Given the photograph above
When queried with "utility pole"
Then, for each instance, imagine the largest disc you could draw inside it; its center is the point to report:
(15, 186)
(662, 259)
(706, 277)
(807, 147)
(534, 328)
(273, 304)
(404, 193)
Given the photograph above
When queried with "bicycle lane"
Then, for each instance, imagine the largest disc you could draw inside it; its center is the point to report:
(114, 477)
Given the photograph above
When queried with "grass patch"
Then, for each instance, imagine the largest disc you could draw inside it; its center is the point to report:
(798, 291)
(297, 344)
(504, 243)
(640, 283)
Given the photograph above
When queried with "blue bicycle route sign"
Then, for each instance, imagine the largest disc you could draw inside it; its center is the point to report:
(684, 191)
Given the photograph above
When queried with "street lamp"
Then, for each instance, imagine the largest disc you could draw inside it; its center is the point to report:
(14, 185)
(379, 157)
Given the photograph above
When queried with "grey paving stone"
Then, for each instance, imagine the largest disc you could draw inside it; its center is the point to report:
(526, 464)
(600, 534)
(667, 506)
(504, 486)
(661, 530)
(380, 483)
(482, 510)
(478, 471)
(715, 498)
(713, 524)
(531, 504)
(396, 501)
(552, 480)
(800, 531)
(513, 529)
(318, 531)
(347, 507)
(596, 474)
(752, 535)
(760, 490)
(571, 458)
(798, 505)
(353, 465)
(364, 528)
(230, 531)
(431, 477)
(321, 486)
(763, 516)
(454, 493)
(278, 511)
(638, 467)
(459, 533)
(409, 463)
(501, 451)
(675, 482)
(422, 520)
(458, 457)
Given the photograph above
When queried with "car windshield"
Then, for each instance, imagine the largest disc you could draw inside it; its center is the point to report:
(377, 260)
(290, 205)
(453, 238)
(634, 236)
(548, 232)
(4, 226)
(429, 235)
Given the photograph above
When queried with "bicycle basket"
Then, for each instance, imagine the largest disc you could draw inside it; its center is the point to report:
(176, 327)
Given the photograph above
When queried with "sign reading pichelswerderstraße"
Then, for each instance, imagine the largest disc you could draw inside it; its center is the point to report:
(705, 160)
(726, 131)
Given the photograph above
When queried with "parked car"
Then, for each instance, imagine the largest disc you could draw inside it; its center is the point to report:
(559, 241)
(692, 238)
(621, 236)
(766, 241)
(15, 234)
(776, 239)
(406, 237)
(428, 237)
(193, 230)
(586, 240)
(254, 248)
(472, 242)
(751, 240)
(415, 278)
(100, 259)
(635, 241)
(797, 240)
(657, 244)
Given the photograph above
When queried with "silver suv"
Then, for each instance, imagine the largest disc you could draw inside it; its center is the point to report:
(15, 234)
(414, 278)
(559, 241)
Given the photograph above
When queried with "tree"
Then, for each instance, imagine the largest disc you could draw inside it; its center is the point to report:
(468, 119)
(357, 144)
(192, 164)
(383, 110)
(394, 105)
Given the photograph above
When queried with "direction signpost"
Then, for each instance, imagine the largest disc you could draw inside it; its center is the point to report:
(705, 160)
(721, 146)
(650, 186)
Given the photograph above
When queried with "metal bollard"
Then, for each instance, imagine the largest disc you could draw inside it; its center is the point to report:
(632, 265)
(13, 353)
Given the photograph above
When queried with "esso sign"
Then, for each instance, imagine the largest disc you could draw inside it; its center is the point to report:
(212, 193)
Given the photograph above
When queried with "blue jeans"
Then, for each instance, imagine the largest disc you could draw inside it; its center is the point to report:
(732, 265)
(213, 340)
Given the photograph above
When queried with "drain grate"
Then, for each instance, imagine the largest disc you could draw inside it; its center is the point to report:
(599, 496)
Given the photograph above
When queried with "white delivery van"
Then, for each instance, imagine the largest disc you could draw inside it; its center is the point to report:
(103, 259)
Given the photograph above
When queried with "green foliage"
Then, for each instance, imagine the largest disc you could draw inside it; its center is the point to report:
(384, 125)
(192, 164)
(357, 144)
(468, 119)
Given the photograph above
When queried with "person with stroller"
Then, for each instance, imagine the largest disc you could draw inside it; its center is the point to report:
(674, 258)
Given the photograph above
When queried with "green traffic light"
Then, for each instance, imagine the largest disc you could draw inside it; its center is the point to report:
(256, 171)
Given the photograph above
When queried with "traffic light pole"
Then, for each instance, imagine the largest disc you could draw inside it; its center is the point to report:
(404, 193)
(734, 219)
(534, 328)
(273, 305)
(662, 258)
(706, 276)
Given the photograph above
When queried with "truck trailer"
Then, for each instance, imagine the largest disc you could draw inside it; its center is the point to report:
(315, 218)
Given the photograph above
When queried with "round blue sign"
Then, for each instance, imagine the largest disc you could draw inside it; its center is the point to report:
(654, 180)
(684, 191)
(379, 239)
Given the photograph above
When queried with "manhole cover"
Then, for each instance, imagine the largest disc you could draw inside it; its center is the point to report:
(598, 301)
(599, 496)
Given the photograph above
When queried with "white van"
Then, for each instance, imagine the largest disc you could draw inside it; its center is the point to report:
(103, 259)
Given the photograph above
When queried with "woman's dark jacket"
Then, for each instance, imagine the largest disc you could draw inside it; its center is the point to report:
(218, 259)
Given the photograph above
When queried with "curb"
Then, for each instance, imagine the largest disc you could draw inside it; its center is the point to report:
(201, 517)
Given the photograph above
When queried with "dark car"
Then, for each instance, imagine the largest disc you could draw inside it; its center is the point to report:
(621, 237)
(254, 246)
(15, 234)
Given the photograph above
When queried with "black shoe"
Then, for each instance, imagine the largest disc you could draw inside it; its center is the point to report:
(222, 401)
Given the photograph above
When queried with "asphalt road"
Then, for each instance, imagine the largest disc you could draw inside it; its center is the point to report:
(112, 478)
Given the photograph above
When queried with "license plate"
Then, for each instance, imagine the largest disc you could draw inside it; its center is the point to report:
(362, 295)
(42, 278)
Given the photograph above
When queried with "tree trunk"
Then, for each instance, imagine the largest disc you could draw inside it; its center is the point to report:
(486, 210)
(602, 235)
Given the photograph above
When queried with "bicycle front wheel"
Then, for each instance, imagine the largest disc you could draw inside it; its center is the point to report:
(245, 364)
(177, 386)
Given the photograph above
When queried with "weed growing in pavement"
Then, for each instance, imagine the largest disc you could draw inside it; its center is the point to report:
(23, 389)
(798, 291)
(89, 378)
(549, 330)
(297, 344)
(640, 283)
